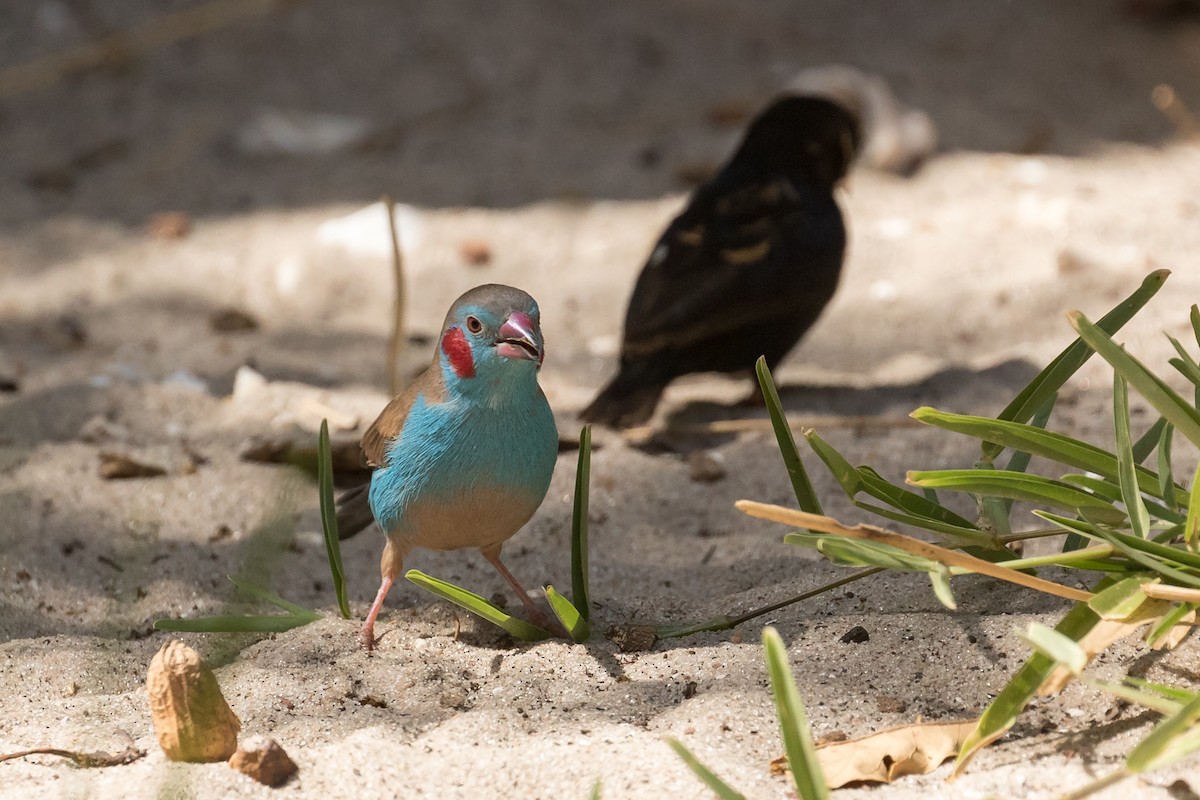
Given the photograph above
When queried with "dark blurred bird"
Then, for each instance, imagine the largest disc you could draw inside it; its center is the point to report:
(463, 457)
(747, 267)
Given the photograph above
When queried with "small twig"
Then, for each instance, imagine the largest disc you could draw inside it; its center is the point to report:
(952, 558)
(724, 623)
(154, 33)
(398, 311)
(108, 562)
(86, 760)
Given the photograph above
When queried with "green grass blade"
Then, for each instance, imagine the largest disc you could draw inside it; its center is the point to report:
(1067, 363)
(1195, 318)
(1133, 547)
(1151, 700)
(1048, 444)
(939, 578)
(579, 527)
(843, 471)
(1017, 462)
(478, 606)
(255, 590)
(1120, 600)
(1172, 739)
(915, 509)
(709, 778)
(1017, 486)
(861, 552)
(1063, 649)
(1148, 440)
(1165, 400)
(917, 505)
(969, 536)
(596, 789)
(1168, 621)
(1174, 694)
(1178, 555)
(1166, 474)
(1111, 491)
(1186, 366)
(1069, 524)
(234, 623)
(329, 517)
(569, 616)
(1139, 517)
(1191, 526)
(801, 485)
(1002, 713)
(793, 722)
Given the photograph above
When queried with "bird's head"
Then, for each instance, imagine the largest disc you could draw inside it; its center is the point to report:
(805, 136)
(492, 341)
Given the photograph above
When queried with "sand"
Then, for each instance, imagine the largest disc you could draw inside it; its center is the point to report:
(554, 137)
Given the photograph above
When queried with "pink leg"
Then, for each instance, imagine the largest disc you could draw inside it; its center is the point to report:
(389, 567)
(492, 554)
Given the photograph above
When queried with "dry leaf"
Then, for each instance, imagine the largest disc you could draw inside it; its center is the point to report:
(1108, 631)
(191, 718)
(882, 757)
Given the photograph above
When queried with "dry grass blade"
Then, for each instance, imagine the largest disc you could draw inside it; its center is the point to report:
(1106, 632)
(951, 558)
(397, 340)
(1176, 594)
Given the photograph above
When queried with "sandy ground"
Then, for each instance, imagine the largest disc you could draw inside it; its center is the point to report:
(555, 134)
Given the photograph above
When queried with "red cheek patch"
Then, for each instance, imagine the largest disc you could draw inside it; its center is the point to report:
(454, 345)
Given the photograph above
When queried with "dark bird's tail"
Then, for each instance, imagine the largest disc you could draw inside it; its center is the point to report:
(625, 402)
(354, 511)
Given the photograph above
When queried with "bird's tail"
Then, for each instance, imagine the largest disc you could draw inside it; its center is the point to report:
(354, 511)
(624, 403)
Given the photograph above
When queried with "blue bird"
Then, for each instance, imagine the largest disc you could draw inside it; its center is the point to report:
(463, 457)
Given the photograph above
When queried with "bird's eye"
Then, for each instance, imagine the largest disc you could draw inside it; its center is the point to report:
(474, 325)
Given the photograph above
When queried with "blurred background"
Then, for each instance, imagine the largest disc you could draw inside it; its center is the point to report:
(473, 103)
(164, 159)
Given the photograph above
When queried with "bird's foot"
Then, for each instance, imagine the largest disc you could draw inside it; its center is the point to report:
(539, 618)
(366, 637)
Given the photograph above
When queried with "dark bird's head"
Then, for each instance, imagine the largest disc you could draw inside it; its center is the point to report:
(492, 339)
(802, 136)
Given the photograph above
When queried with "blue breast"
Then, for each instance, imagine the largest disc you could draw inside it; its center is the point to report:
(448, 448)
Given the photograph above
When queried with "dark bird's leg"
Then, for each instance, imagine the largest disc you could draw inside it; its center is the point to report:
(389, 568)
(626, 401)
(492, 554)
(755, 399)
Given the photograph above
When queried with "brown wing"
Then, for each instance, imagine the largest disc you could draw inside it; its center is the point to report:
(386, 428)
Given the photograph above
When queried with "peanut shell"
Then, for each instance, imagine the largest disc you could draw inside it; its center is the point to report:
(191, 718)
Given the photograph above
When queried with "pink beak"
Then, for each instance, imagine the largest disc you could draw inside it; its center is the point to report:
(518, 338)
